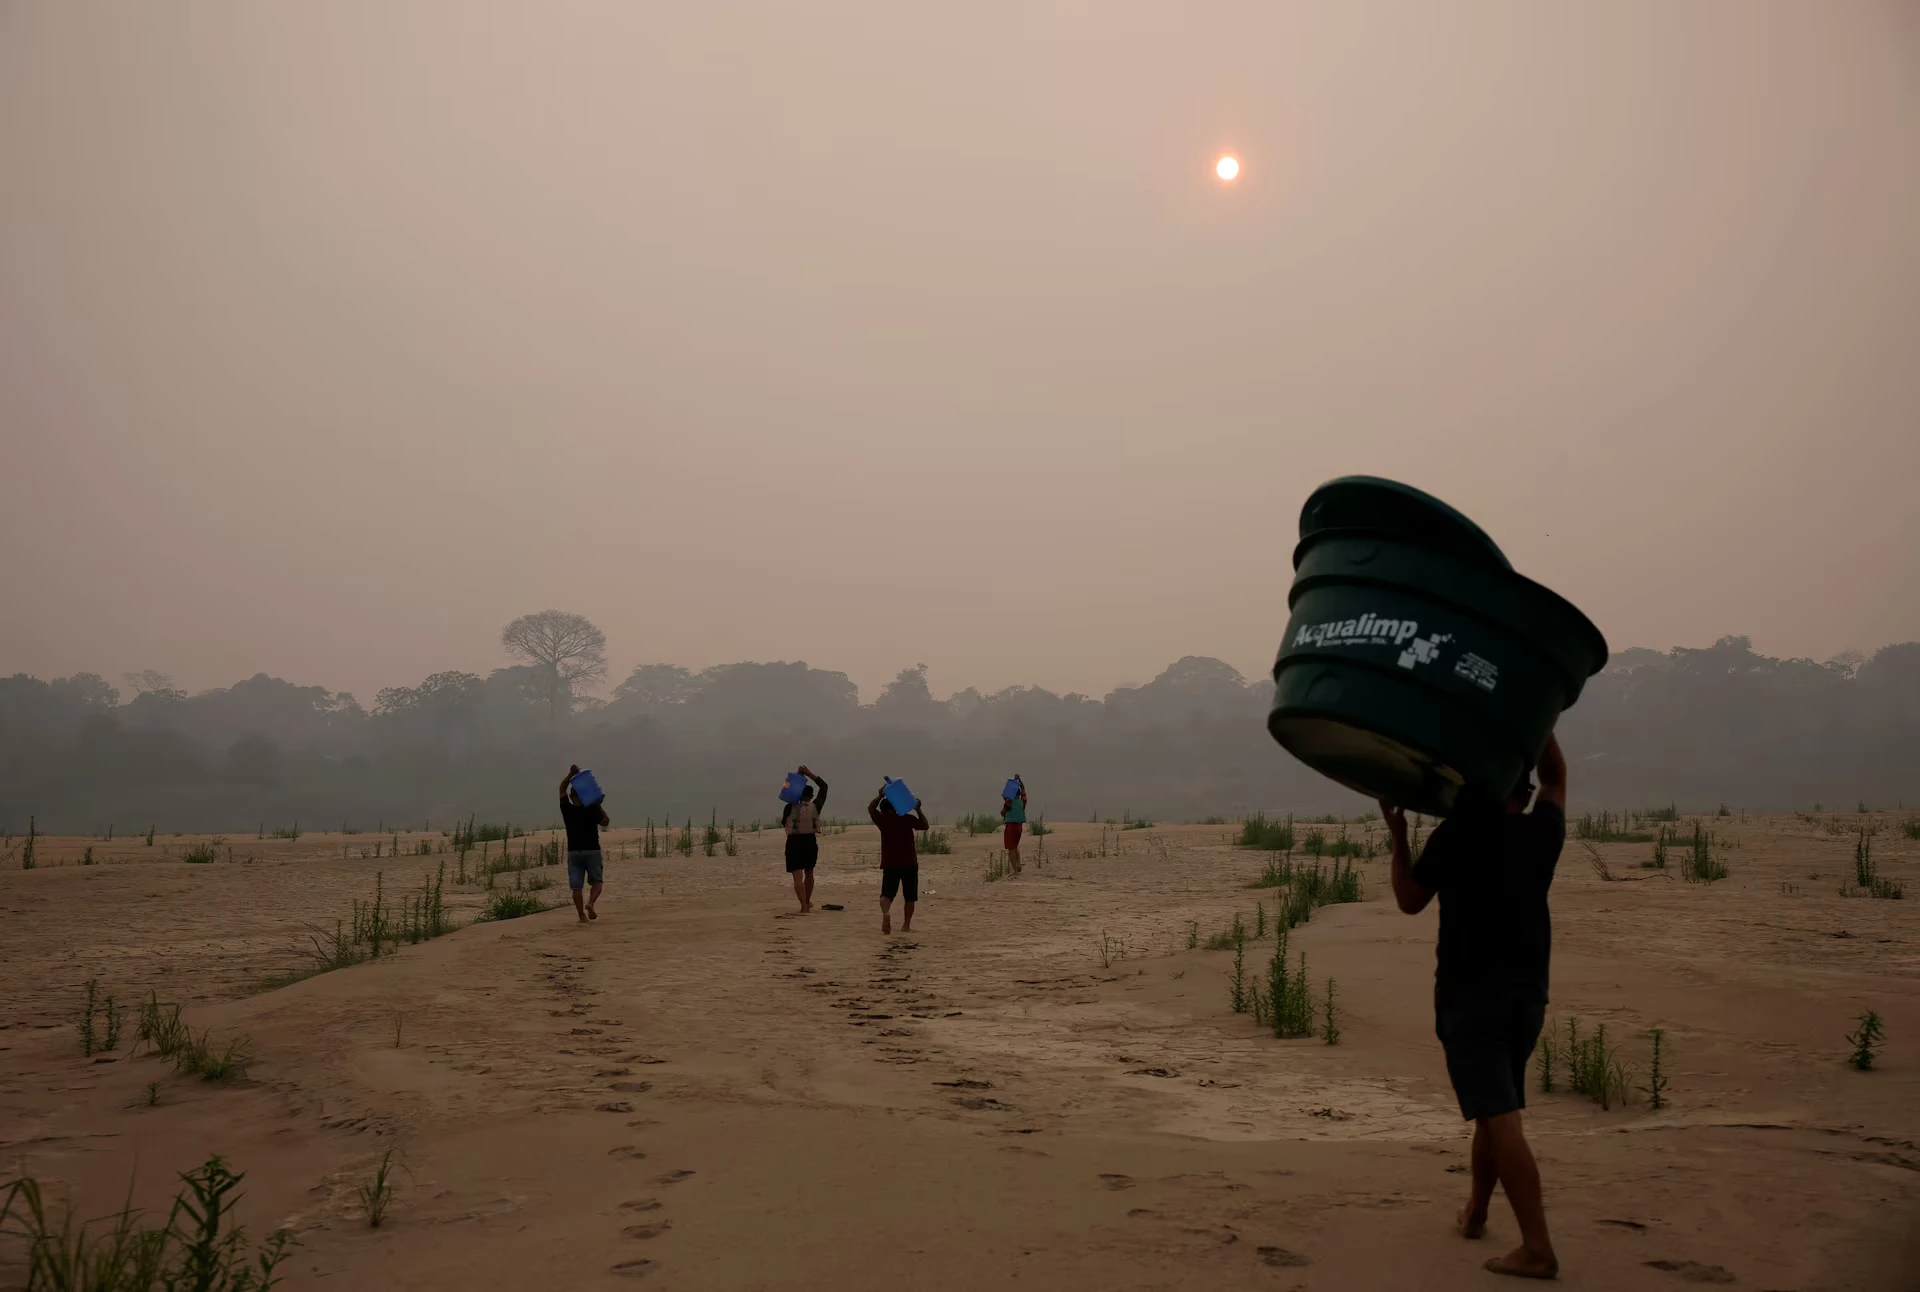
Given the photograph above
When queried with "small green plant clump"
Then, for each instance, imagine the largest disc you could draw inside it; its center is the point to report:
(506, 904)
(1656, 1087)
(1911, 827)
(1659, 861)
(997, 866)
(978, 823)
(1111, 949)
(1594, 1068)
(684, 844)
(1230, 937)
(1039, 828)
(378, 1192)
(1238, 995)
(1273, 836)
(33, 834)
(1866, 1040)
(936, 841)
(651, 848)
(733, 846)
(1330, 1028)
(1866, 873)
(1700, 866)
(199, 1249)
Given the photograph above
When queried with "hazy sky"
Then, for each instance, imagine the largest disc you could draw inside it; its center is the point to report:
(333, 335)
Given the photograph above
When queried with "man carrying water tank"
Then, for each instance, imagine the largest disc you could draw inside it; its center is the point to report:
(583, 845)
(899, 857)
(802, 823)
(1491, 869)
(1013, 814)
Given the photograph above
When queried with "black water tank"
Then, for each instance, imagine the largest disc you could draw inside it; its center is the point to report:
(1417, 666)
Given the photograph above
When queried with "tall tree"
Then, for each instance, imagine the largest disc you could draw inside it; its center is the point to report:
(567, 648)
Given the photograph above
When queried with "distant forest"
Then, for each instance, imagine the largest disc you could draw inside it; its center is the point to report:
(1699, 728)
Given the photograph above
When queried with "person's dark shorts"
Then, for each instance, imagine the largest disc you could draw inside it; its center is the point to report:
(803, 852)
(583, 867)
(904, 880)
(1488, 1043)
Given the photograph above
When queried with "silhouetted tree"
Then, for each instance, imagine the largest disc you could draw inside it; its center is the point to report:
(567, 646)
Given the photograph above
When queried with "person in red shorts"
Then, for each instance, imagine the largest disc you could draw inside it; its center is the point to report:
(899, 858)
(1013, 812)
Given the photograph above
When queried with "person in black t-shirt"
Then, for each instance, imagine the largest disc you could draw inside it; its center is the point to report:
(1491, 870)
(583, 846)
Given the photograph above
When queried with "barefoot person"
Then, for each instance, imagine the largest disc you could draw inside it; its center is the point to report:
(1491, 870)
(1013, 813)
(802, 822)
(899, 858)
(583, 845)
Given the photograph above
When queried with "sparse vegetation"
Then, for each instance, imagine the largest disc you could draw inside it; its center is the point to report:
(1111, 949)
(376, 1193)
(1273, 836)
(201, 854)
(1594, 1068)
(1699, 865)
(938, 842)
(1237, 985)
(33, 836)
(1330, 1028)
(1866, 874)
(978, 823)
(1866, 1040)
(1911, 827)
(1040, 828)
(997, 866)
(1656, 1087)
(199, 1249)
(507, 904)
(1606, 828)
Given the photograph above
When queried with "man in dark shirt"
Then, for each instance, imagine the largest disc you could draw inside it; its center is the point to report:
(899, 858)
(1491, 870)
(583, 846)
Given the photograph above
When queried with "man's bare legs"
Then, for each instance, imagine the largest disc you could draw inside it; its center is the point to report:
(802, 888)
(806, 900)
(906, 922)
(580, 905)
(593, 895)
(1511, 1161)
(1473, 1220)
(1013, 858)
(886, 915)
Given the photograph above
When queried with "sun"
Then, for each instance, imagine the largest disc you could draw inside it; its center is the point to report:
(1227, 168)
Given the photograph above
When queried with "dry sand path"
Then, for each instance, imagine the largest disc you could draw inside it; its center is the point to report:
(703, 1090)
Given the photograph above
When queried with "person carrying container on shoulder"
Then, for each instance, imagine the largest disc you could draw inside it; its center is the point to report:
(802, 823)
(899, 857)
(1491, 867)
(583, 846)
(1013, 813)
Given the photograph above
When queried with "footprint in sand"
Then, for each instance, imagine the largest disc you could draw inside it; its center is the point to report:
(632, 1087)
(614, 1072)
(628, 1151)
(641, 1204)
(966, 1083)
(1694, 1271)
(616, 1106)
(1115, 1181)
(632, 1269)
(675, 1177)
(647, 1231)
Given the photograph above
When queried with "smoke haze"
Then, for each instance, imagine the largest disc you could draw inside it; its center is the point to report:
(334, 336)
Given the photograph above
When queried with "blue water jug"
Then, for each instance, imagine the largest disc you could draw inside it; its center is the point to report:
(900, 796)
(588, 789)
(1011, 790)
(794, 786)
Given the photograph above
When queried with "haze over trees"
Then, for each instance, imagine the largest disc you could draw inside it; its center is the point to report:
(1701, 727)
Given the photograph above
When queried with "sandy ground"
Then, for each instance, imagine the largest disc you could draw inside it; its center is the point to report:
(705, 1090)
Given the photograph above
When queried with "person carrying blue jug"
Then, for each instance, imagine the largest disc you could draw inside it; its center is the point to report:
(801, 820)
(899, 857)
(584, 821)
(1013, 815)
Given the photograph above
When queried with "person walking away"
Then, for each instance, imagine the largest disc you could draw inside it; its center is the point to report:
(802, 823)
(1013, 813)
(583, 846)
(899, 858)
(1491, 869)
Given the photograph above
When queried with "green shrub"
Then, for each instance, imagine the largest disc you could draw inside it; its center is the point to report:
(508, 905)
(1273, 836)
(1866, 1041)
(198, 1250)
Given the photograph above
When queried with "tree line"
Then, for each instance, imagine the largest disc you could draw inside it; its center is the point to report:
(1699, 727)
